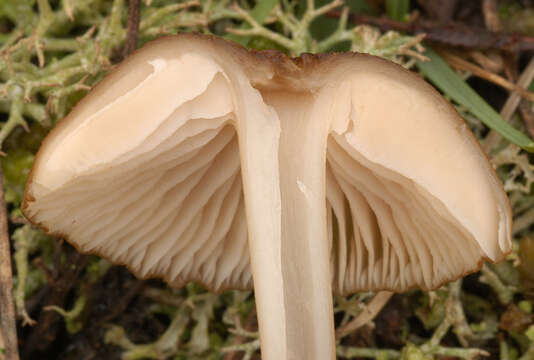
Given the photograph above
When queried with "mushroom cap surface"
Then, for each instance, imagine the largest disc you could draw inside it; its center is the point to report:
(146, 170)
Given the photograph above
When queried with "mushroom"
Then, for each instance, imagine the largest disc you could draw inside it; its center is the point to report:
(196, 159)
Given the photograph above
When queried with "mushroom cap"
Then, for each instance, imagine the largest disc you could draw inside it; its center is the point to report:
(146, 169)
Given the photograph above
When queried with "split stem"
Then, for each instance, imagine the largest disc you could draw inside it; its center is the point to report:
(289, 250)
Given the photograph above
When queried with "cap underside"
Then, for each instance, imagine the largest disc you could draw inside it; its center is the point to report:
(147, 172)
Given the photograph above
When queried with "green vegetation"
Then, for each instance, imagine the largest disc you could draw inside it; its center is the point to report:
(52, 52)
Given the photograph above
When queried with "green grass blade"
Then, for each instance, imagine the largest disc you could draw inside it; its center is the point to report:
(398, 9)
(446, 79)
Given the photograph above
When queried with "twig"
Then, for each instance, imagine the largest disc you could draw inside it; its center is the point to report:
(8, 325)
(67, 7)
(454, 34)
(492, 62)
(134, 12)
(491, 17)
(368, 314)
(454, 317)
(528, 116)
(510, 106)
(461, 64)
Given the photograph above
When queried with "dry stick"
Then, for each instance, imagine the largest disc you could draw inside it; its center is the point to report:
(510, 106)
(134, 12)
(461, 64)
(528, 116)
(369, 313)
(495, 64)
(452, 33)
(510, 60)
(8, 325)
(491, 17)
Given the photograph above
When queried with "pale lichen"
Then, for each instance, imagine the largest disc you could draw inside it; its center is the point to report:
(51, 56)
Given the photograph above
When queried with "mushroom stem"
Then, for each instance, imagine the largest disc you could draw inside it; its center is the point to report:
(287, 235)
(305, 249)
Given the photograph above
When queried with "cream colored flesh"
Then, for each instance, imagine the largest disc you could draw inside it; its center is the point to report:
(199, 161)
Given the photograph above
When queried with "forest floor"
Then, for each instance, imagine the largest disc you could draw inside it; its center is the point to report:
(74, 306)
